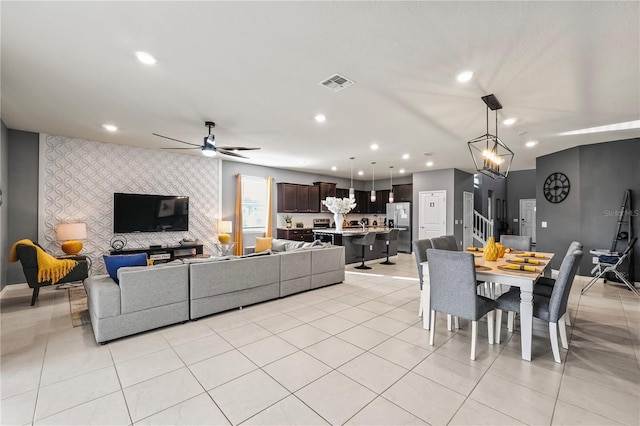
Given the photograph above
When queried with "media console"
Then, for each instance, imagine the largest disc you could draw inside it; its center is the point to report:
(165, 254)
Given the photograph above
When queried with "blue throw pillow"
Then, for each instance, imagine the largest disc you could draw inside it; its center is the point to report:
(113, 263)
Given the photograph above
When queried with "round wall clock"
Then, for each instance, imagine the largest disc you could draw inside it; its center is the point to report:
(556, 187)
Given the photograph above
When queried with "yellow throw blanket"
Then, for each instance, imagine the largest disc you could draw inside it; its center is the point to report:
(49, 268)
(525, 260)
(520, 268)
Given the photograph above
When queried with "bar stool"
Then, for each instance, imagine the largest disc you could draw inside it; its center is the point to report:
(365, 240)
(392, 235)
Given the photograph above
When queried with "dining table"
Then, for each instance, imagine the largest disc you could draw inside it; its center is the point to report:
(495, 272)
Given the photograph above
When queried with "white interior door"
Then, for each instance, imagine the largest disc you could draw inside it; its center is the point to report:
(433, 214)
(528, 218)
(467, 219)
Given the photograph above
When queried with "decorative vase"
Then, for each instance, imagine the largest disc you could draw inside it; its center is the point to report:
(289, 225)
(338, 218)
(500, 249)
(490, 250)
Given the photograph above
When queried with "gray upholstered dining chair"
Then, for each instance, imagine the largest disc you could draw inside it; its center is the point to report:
(517, 242)
(452, 277)
(544, 285)
(551, 309)
(420, 248)
(445, 242)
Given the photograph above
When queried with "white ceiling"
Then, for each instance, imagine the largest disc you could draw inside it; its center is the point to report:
(254, 69)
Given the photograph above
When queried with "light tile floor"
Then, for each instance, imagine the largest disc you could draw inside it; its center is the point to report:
(352, 353)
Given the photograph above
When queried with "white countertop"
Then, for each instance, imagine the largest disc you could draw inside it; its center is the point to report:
(357, 232)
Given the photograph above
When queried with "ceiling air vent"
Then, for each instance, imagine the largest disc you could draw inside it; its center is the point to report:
(336, 82)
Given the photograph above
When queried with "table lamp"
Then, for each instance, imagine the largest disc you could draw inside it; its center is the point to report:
(70, 233)
(224, 227)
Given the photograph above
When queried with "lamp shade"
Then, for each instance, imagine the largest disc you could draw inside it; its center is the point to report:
(71, 231)
(224, 227)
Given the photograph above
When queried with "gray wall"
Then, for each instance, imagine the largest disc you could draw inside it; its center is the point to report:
(606, 171)
(563, 219)
(599, 175)
(520, 185)
(22, 194)
(463, 181)
(4, 179)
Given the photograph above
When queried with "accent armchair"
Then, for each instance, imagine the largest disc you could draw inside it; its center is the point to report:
(28, 258)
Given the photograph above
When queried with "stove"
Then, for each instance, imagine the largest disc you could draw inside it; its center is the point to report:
(321, 223)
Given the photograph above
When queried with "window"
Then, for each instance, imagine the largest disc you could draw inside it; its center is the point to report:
(254, 203)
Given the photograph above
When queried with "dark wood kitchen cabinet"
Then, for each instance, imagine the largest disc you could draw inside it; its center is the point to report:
(403, 193)
(299, 234)
(294, 198)
(380, 205)
(342, 192)
(326, 190)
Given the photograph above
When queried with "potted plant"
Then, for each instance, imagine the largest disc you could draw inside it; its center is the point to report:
(288, 220)
(299, 224)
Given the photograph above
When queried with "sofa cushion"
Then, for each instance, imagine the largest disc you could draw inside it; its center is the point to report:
(293, 245)
(278, 245)
(262, 244)
(113, 263)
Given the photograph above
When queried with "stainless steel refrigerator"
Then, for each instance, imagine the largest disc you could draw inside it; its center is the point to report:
(400, 214)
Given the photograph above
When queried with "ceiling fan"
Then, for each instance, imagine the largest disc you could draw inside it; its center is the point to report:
(208, 147)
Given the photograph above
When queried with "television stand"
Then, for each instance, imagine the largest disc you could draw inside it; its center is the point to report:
(165, 254)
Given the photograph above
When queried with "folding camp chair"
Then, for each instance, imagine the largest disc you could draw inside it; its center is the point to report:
(608, 263)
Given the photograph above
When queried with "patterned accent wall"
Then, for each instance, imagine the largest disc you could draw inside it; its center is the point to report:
(81, 176)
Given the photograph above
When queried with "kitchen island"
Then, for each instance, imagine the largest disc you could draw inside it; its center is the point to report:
(353, 252)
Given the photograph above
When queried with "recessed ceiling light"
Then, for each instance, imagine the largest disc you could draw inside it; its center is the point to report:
(109, 127)
(429, 163)
(320, 118)
(401, 170)
(405, 156)
(464, 76)
(360, 172)
(374, 146)
(509, 121)
(531, 144)
(146, 58)
(334, 168)
(607, 128)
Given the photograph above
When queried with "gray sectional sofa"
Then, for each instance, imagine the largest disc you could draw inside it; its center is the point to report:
(152, 297)
(146, 298)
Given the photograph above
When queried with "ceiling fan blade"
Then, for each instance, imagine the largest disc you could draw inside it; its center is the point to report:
(177, 140)
(236, 148)
(195, 147)
(231, 153)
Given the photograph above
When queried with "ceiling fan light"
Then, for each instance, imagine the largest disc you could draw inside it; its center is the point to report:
(208, 151)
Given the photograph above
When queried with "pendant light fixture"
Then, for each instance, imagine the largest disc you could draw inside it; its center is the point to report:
(373, 181)
(391, 192)
(491, 156)
(352, 192)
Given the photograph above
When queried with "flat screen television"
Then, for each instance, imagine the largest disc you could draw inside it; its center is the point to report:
(149, 213)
